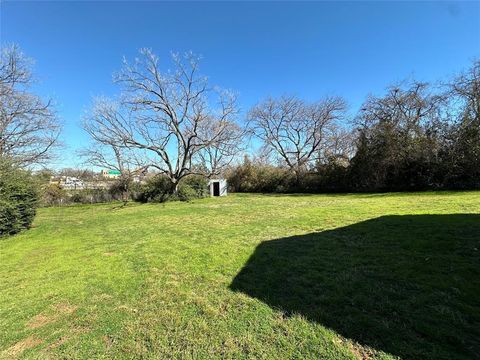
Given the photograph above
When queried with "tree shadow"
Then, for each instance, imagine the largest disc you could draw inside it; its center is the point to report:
(407, 285)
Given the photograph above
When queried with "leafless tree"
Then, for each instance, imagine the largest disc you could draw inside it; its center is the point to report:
(410, 107)
(465, 88)
(106, 152)
(174, 116)
(224, 141)
(339, 148)
(461, 145)
(295, 130)
(29, 127)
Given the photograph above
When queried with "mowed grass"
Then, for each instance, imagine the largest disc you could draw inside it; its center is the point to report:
(247, 276)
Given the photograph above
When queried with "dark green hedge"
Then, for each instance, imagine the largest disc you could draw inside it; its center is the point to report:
(18, 199)
(159, 189)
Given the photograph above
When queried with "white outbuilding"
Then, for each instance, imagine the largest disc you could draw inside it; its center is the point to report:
(218, 187)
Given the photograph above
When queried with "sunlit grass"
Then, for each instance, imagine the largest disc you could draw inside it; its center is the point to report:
(154, 281)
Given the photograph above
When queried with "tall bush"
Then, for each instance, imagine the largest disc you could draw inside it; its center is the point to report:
(159, 189)
(252, 177)
(18, 199)
(192, 187)
(53, 195)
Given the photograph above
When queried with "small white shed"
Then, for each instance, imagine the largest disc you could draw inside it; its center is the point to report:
(218, 187)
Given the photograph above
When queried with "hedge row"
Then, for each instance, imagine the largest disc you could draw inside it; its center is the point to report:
(18, 199)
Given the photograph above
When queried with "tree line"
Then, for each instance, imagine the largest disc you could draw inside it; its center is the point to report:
(414, 136)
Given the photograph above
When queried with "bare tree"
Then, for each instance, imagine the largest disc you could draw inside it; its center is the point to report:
(294, 129)
(224, 141)
(461, 150)
(340, 147)
(29, 127)
(410, 107)
(466, 89)
(106, 152)
(169, 115)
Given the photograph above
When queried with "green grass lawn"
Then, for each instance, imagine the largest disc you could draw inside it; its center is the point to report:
(247, 276)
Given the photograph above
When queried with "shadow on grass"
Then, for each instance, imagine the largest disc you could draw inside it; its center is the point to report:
(406, 285)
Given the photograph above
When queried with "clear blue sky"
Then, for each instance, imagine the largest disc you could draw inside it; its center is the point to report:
(256, 48)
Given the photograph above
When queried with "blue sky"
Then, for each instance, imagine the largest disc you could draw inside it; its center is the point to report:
(255, 48)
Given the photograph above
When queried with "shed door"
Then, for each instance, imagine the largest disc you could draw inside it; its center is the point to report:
(216, 188)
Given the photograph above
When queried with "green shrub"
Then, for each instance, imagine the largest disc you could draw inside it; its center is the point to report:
(251, 177)
(78, 197)
(160, 189)
(90, 196)
(186, 192)
(54, 195)
(18, 199)
(197, 185)
(156, 189)
(121, 189)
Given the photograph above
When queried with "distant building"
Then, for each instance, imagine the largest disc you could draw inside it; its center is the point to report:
(218, 187)
(68, 182)
(74, 183)
(110, 174)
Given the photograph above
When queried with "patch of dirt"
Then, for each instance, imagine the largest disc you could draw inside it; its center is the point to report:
(361, 352)
(40, 320)
(108, 341)
(108, 254)
(17, 349)
(58, 342)
(64, 308)
(45, 319)
(103, 297)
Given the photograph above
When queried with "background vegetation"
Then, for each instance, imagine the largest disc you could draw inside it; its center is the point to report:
(417, 136)
(154, 189)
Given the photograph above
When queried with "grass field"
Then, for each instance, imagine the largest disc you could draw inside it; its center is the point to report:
(247, 276)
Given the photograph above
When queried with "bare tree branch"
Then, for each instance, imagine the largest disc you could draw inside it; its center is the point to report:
(295, 130)
(29, 127)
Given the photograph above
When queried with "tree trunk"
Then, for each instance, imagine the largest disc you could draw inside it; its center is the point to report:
(298, 174)
(174, 190)
(126, 191)
(126, 196)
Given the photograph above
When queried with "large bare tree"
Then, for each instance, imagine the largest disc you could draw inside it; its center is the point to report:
(106, 152)
(173, 116)
(29, 127)
(410, 107)
(296, 131)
